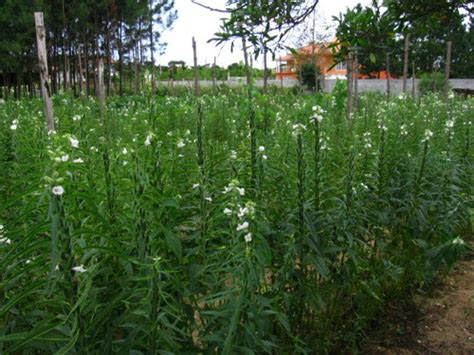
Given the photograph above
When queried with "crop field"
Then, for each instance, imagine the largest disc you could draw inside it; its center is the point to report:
(226, 223)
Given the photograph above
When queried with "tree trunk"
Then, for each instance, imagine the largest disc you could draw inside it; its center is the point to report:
(43, 67)
(152, 48)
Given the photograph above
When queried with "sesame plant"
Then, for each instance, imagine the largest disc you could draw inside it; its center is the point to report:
(227, 223)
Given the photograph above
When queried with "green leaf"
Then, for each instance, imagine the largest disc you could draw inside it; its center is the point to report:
(174, 243)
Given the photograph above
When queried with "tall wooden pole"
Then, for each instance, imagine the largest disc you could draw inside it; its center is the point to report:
(405, 63)
(43, 68)
(101, 86)
(413, 82)
(214, 79)
(356, 80)
(447, 69)
(196, 69)
(387, 70)
(349, 86)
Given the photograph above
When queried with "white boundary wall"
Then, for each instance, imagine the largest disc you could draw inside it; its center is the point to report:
(379, 85)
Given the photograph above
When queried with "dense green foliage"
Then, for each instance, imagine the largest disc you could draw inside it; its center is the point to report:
(119, 31)
(219, 225)
(380, 29)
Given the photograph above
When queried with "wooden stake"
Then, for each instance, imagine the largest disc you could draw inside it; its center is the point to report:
(405, 63)
(100, 86)
(387, 70)
(43, 68)
(214, 74)
(196, 69)
(413, 89)
(349, 87)
(447, 69)
(356, 80)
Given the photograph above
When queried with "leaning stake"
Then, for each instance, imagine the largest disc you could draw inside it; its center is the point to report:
(43, 69)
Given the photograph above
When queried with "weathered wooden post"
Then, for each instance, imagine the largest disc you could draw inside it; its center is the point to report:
(43, 68)
(405, 63)
(196, 69)
(100, 85)
(214, 79)
(387, 72)
(447, 69)
(355, 78)
(413, 79)
(349, 86)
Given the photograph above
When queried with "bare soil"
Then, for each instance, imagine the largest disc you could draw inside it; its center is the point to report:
(441, 322)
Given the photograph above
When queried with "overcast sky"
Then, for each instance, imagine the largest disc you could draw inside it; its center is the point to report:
(202, 24)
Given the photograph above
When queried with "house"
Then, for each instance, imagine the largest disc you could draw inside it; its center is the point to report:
(319, 53)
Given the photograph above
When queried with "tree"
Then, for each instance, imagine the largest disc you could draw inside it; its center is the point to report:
(80, 31)
(368, 30)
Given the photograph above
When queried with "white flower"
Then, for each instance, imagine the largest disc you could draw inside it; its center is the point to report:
(28, 261)
(125, 163)
(65, 158)
(243, 211)
(264, 157)
(195, 186)
(458, 240)
(148, 139)
(79, 268)
(208, 199)
(78, 161)
(13, 127)
(427, 136)
(227, 189)
(1, 228)
(403, 130)
(76, 118)
(261, 148)
(5, 240)
(364, 186)
(227, 211)
(124, 151)
(241, 191)
(242, 226)
(51, 132)
(233, 154)
(449, 123)
(248, 237)
(58, 190)
(181, 143)
(74, 142)
(298, 129)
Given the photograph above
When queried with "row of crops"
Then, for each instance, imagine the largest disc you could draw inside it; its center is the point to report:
(228, 223)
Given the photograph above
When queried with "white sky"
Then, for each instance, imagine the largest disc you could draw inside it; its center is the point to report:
(201, 23)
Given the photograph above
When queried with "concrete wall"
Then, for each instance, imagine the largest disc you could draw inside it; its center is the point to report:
(378, 85)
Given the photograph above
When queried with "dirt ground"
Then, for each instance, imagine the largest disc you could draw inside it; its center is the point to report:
(441, 322)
